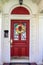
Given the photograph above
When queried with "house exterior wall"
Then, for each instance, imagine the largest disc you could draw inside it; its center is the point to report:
(35, 22)
(0, 39)
(41, 35)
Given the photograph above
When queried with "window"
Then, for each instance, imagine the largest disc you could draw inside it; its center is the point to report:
(20, 29)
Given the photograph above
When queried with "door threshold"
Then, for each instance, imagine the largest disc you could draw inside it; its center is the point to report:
(20, 60)
(16, 57)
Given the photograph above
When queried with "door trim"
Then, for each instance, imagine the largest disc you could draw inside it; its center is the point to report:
(19, 17)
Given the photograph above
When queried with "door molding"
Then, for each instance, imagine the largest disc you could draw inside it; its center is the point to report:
(23, 17)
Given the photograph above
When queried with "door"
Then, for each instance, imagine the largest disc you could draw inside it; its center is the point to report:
(20, 35)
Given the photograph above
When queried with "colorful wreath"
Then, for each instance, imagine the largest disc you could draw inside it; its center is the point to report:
(18, 30)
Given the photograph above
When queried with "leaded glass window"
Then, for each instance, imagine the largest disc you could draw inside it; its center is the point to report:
(16, 35)
(20, 29)
(23, 35)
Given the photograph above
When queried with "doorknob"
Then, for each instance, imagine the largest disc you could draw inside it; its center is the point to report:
(11, 41)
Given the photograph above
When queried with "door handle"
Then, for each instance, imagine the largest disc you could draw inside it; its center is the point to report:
(11, 41)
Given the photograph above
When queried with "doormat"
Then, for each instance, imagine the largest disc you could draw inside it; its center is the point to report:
(20, 64)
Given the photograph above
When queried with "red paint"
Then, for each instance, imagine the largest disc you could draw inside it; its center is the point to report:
(20, 47)
(20, 10)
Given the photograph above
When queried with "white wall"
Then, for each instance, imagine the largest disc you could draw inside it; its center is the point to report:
(0, 39)
(6, 41)
(40, 6)
(41, 35)
(35, 56)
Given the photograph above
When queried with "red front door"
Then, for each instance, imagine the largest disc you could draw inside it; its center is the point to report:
(20, 34)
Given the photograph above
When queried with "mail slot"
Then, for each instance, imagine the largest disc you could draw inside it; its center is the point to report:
(6, 33)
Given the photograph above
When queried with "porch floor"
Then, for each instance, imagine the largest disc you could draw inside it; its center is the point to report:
(19, 64)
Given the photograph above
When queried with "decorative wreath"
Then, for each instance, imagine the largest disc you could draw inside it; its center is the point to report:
(22, 28)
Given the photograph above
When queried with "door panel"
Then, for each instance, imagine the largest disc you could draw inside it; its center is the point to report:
(20, 34)
(16, 51)
(12, 51)
(23, 51)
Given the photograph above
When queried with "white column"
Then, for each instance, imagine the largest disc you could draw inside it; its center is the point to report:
(41, 37)
(6, 41)
(34, 42)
